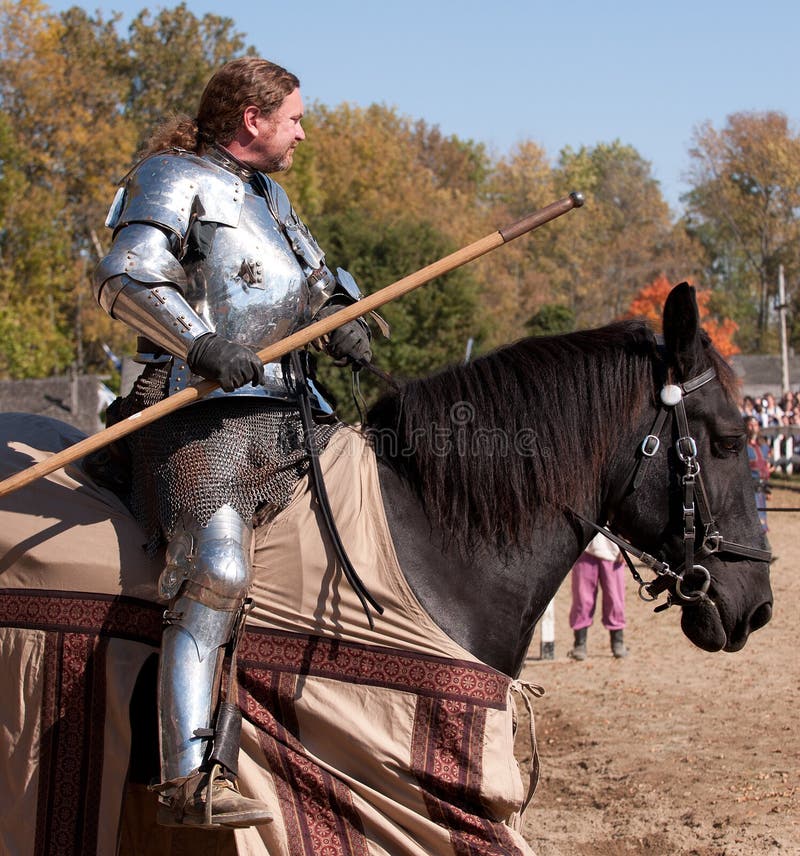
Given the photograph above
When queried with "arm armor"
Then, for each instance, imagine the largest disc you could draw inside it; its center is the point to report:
(172, 189)
(140, 282)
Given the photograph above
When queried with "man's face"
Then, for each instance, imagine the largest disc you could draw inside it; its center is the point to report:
(278, 136)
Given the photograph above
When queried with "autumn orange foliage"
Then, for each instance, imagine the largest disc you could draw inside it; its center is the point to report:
(649, 302)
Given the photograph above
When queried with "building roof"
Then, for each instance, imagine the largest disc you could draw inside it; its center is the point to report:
(75, 400)
(761, 373)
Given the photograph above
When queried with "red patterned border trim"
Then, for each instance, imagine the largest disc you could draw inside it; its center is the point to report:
(78, 626)
(295, 653)
(437, 677)
(447, 761)
(48, 749)
(317, 809)
(82, 612)
(71, 753)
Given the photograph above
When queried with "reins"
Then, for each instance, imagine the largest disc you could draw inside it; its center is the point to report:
(696, 506)
(298, 386)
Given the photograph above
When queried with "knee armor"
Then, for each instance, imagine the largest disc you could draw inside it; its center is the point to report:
(214, 559)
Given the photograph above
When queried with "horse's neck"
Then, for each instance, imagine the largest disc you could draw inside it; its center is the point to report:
(487, 605)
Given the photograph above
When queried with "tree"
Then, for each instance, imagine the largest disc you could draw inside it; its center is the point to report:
(624, 236)
(386, 196)
(648, 303)
(169, 58)
(34, 261)
(744, 206)
(519, 277)
(549, 320)
(385, 165)
(430, 326)
(66, 132)
(38, 264)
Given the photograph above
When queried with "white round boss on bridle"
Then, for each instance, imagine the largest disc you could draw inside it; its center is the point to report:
(671, 394)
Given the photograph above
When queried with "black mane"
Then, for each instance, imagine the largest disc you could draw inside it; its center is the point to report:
(508, 435)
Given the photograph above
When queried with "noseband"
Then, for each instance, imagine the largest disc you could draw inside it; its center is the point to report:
(695, 506)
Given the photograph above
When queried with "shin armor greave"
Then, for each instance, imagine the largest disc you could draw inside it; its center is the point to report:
(207, 576)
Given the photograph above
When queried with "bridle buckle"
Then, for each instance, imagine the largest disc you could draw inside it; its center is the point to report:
(686, 449)
(650, 445)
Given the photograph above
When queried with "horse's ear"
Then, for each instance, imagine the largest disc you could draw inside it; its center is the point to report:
(682, 330)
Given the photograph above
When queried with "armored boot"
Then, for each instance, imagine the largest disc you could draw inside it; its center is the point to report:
(618, 648)
(209, 568)
(578, 651)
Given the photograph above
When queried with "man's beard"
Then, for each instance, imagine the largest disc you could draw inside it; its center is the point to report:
(279, 163)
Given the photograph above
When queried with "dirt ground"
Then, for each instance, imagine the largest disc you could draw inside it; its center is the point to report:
(673, 750)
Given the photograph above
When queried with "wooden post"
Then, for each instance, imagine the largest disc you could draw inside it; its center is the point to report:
(547, 644)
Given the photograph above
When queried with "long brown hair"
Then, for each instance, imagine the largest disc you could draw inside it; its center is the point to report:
(244, 81)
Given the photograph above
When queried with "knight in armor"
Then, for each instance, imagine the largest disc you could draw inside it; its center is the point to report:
(210, 263)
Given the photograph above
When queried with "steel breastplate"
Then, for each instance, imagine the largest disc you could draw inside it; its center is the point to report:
(251, 287)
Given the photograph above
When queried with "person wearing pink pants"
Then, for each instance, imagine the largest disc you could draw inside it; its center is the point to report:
(600, 566)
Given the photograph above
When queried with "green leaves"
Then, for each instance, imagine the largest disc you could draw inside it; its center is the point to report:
(430, 326)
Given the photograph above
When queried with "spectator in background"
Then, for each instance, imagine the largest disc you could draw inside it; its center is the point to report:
(599, 566)
(748, 406)
(787, 402)
(770, 412)
(758, 455)
(794, 421)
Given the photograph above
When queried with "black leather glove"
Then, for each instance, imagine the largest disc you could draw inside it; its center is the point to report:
(350, 342)
(231, 365)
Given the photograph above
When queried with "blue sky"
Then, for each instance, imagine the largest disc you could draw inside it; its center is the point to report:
(561, 73)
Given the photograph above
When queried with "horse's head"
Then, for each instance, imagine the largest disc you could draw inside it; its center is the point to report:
(691, 503)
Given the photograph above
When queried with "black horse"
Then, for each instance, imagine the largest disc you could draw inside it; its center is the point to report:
(492, 472)
(493, 477)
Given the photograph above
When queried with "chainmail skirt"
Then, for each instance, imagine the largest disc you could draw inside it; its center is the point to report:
(242, 451)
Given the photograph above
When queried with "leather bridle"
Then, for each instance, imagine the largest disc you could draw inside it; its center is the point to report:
(696, 507)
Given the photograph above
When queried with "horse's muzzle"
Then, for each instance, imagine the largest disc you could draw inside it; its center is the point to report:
(707, 625)
(758, 618)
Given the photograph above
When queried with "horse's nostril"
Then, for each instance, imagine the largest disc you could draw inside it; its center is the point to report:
(760, 616)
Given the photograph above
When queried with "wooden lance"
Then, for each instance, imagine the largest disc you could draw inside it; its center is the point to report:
(297, 340)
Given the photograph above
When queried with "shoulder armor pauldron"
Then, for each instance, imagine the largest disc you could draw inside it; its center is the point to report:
(172, 188)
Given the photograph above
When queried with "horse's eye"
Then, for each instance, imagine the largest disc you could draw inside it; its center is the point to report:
(728, 446)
